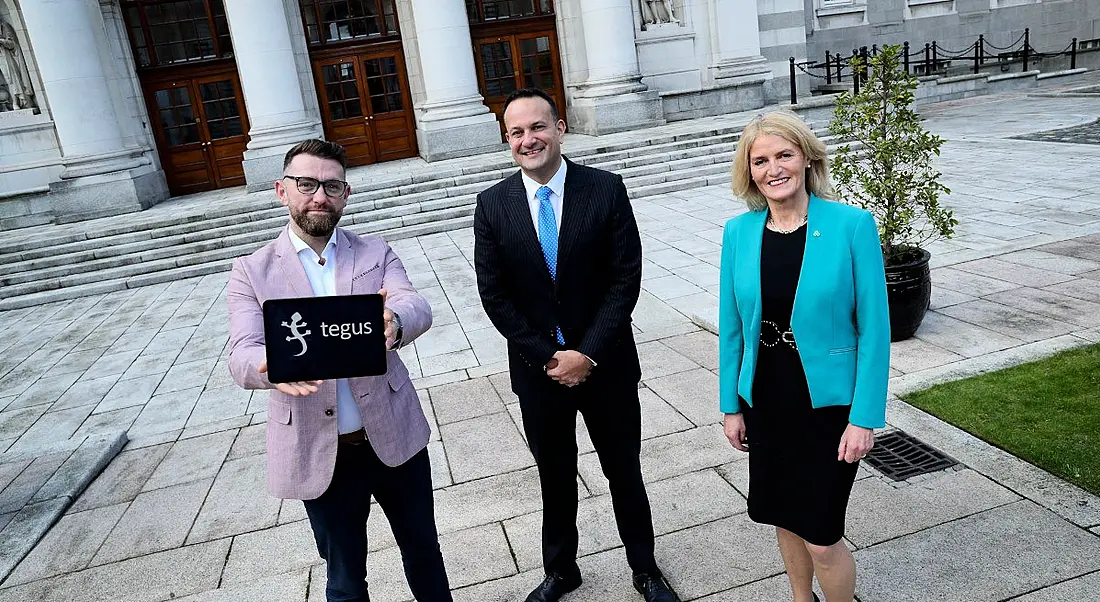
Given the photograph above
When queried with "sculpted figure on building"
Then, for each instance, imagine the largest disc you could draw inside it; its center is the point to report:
(15, 81)
(658, 12)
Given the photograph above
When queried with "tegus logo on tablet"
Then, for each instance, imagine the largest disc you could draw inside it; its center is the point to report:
(344, 331)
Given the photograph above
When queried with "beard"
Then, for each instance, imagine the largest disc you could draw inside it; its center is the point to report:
(316, 224)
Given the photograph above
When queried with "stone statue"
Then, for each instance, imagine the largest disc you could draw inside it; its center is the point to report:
(15, 91)
(658, 12)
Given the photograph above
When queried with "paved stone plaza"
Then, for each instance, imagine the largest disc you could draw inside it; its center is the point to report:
(181, 513)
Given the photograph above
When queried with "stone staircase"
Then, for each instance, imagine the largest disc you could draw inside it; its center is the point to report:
(202, 234)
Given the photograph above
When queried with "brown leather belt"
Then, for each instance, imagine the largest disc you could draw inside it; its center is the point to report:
(353, 438)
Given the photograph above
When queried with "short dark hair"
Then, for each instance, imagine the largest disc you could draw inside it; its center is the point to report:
(317, 148)
(531, 93)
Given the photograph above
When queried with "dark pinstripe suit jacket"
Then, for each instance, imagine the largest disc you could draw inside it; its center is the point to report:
(598, 278)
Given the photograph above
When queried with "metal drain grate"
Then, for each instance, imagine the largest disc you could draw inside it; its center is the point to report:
(899, 455)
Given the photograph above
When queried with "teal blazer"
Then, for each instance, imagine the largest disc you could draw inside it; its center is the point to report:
(841, 320)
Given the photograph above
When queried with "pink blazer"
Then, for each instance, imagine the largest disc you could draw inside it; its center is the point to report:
(301, 437)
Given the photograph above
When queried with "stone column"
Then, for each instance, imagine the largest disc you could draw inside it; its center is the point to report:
(613, 97)
(277, 114)
(102, 175)
(452, 119)
(735, 42)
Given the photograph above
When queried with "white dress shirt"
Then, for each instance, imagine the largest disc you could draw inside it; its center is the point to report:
(557, 195)
(322, 279)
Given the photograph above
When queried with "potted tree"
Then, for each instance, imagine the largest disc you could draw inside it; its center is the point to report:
(887, 169)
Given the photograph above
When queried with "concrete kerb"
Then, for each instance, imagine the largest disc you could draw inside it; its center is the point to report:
(87, 458)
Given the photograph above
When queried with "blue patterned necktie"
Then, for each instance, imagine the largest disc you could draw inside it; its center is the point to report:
(548, 237)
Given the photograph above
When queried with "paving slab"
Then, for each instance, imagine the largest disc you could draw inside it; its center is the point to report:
(276, 550)
(192, 459)
(771, 588)
(463, 400)
(237, 502)
(155, 521)
(153, 578)
(1080, 588)
(668, 456)
(659, 360)
(470, 455)
(880, 510)
(287, 587)
(121, 481)
(971, 561)
(692, 394)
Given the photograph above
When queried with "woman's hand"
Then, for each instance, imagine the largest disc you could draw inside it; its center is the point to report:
(734, 427)
(855, 443)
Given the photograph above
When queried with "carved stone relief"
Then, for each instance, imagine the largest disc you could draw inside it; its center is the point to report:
(16, 91)
(657, 12)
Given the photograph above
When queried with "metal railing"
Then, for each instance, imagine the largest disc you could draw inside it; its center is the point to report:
(930, 59)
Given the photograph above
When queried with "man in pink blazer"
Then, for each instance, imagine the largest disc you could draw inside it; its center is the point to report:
(334, 444)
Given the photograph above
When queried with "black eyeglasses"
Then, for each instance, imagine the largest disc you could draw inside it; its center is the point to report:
(307, 185)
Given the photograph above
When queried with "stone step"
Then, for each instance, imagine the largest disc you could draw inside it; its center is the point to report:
(202, 269)
(205, 246)
(103, 251)
(388, 191)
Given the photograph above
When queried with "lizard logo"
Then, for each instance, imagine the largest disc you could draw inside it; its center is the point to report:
(295, 324)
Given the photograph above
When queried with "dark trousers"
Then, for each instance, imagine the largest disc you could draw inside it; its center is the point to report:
(613, 418)
(339, 521)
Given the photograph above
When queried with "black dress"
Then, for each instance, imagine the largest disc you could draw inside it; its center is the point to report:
(795, 479)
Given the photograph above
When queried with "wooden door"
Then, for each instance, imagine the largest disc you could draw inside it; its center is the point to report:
(496, 72)
(201, 131)
(539, 65)
(506, 63)
(225, 127)
(390, 117)
(179, 137)
(346, 121)
(366, 106)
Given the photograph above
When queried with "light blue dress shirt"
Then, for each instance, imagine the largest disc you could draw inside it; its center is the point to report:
(322, 279)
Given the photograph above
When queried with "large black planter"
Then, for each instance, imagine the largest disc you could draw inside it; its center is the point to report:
(909, 290)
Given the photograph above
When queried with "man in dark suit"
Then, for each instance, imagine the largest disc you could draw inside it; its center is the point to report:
(559, 261)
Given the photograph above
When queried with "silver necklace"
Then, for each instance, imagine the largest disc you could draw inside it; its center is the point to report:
(775, 227)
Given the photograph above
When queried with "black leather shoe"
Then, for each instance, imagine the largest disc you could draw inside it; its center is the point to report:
(654, 588)
(554, 587)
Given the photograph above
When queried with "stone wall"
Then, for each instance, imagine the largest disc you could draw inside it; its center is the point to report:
(953, 24)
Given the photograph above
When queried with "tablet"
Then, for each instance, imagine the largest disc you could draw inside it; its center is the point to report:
(321, 338)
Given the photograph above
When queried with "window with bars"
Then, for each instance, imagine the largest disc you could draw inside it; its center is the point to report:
(331, 21)
(487, 11)
(168, 32)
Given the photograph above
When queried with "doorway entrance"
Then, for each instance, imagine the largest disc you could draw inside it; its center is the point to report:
(365, 104)
(201, 130)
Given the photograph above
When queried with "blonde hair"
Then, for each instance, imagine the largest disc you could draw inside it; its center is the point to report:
(790, 127)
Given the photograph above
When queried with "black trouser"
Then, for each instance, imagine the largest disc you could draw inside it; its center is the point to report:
(339, 521)
(613, 418)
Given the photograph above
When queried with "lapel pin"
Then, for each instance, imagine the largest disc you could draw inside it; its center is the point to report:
(817, 232)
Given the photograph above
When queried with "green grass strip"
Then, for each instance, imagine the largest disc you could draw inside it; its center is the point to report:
(1046, 412)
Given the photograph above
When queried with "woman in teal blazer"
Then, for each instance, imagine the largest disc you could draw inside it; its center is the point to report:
(804, 347)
